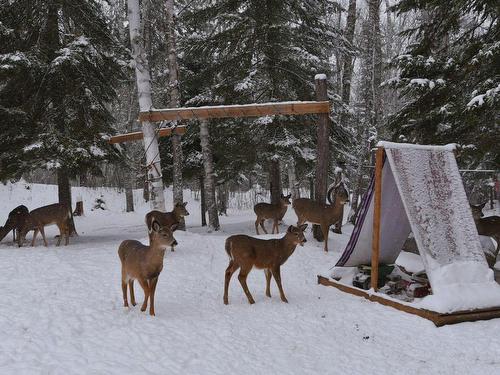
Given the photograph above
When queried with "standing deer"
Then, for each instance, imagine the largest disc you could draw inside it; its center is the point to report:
(247, 252)
(271, 211)
(322, 214)
(38, 219)
(167, 219)
(14, 222)
(144, 264)
(487, 226)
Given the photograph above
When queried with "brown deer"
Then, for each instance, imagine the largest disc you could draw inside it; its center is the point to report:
(144, 264)
(38, 219)
(271, 211)
(487, 226)
(169, 220)
(247, 252)
(14, 222)
(322, 214)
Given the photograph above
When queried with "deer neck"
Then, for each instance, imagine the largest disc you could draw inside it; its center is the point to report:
(287, 247)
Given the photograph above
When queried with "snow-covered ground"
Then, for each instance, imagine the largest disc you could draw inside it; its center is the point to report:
(61, 308)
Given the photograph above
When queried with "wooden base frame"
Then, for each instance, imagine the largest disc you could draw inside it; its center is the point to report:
(439, 319)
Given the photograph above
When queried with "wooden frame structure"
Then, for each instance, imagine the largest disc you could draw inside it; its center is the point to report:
(439, 319)
(135, 136)
(221, 111)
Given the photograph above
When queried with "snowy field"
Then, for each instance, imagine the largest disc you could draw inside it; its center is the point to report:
(61, 309)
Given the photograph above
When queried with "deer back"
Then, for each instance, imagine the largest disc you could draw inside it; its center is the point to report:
(57, 213)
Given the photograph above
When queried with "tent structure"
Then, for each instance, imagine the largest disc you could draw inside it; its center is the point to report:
(419, 189)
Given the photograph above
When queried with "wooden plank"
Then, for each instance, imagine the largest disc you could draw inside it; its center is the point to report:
(235, 111)
(439, 319)
(135, 136)
(376, 217)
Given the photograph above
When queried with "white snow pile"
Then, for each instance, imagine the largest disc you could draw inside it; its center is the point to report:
(62, 310)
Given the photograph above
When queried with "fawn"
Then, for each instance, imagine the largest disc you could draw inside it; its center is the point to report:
(487, 226)
(38, 219)
(144, 264)
(167, 219)
(322, 214)
(14, 222)
(247, 252)
(271, 211)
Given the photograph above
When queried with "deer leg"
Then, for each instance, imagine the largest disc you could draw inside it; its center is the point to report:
(257, 226)
(325, 230)
(145, 287)
(262, 225)
(267, 272)
(277, 277)
(242, 277)
(132, 294)
(124, 289)
(35, 232)
(42, 231)
(152, 289)
(231, 268)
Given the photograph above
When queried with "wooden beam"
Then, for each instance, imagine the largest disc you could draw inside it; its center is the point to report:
(376, 217)
(439, 319)
(234, 111)
(135, 136)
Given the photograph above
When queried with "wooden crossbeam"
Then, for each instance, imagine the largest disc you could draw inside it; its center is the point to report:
(234, 111)
(135, 136)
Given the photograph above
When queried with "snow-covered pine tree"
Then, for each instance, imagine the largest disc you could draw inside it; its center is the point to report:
(260, 51)
(449, 78)
(58, 66)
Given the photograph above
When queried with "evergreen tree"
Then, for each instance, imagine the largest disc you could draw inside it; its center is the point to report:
(58, 67)
(450, 79)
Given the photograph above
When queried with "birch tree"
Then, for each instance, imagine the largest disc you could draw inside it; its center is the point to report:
(145, 104)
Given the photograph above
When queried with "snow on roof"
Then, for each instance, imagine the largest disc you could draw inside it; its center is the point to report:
(393, 145)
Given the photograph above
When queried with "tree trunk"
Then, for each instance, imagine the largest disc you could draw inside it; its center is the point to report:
(375, 55)
(322, 150)
(64, 192)
(173, 88)
(275, 180)
(145, 104)
(292, 180)
(213, 218)
(203, 205)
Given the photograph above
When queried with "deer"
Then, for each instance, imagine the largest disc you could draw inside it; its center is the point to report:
(324, 215)
(57, 213)
(14, 222)
(167, 219)
(271, 211)
(246, 253)
(487, 226)
(144, 264)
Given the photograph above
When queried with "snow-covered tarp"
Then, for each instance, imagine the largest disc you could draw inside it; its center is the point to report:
(422, 192)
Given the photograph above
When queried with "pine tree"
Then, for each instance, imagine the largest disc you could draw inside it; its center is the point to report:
(449, 78)
(59, 66)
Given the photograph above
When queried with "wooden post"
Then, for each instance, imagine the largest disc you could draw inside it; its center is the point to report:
(322, 157)
(376, 216)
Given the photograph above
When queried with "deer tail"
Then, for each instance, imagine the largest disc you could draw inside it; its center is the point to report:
(228, 248)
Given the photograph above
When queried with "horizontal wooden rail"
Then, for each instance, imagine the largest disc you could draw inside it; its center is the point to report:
(135, 136)
(234, 111)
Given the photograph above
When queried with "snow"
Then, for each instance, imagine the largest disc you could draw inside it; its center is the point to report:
(392, 145)
(61, 309)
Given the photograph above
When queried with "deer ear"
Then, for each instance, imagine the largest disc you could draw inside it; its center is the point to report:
(155, 226)
(303, 227)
